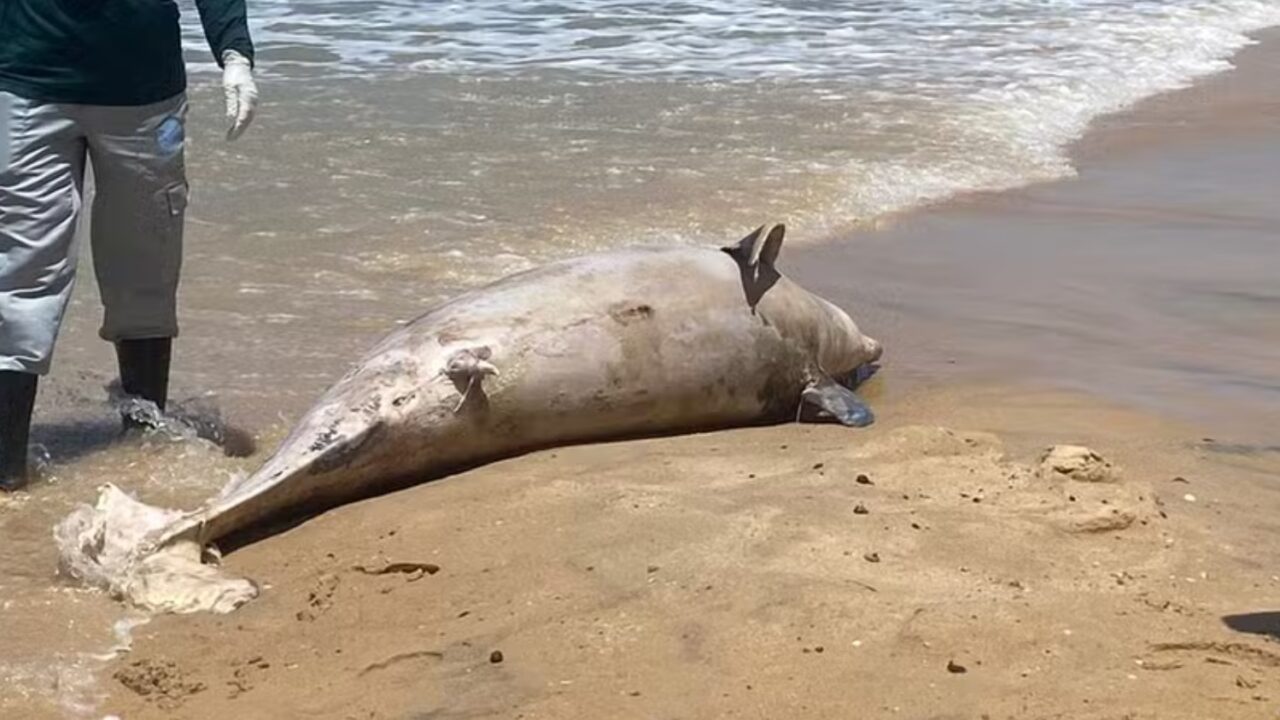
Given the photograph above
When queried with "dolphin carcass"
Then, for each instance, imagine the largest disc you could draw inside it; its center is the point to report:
(620, 344)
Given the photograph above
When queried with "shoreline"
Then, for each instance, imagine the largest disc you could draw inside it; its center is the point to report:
(759, 600)
(750, 573)
(1097, 282)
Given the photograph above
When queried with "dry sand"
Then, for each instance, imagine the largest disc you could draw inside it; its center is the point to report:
(805, 571)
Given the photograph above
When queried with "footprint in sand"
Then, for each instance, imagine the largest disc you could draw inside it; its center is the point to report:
(320, 598)
(159, 681)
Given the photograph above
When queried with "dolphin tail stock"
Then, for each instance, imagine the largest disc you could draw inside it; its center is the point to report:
(145, 555)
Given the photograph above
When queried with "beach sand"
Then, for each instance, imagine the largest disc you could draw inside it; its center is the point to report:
(929, 567)
(802, 571)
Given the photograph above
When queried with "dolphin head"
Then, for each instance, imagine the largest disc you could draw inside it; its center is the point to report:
(843, 349)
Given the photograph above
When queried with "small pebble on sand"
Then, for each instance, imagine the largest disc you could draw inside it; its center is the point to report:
(956, 668)
(495, 657)
(864, 480)
(1189, 497)
(860, 509)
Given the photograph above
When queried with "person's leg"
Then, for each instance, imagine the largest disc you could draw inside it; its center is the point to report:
(141, 196)
(17, 400)
(41, 177)
(144, 368)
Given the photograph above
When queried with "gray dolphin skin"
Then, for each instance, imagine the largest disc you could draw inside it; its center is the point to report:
(621, 344)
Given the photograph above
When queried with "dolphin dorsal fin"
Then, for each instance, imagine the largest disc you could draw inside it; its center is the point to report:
(759, 248)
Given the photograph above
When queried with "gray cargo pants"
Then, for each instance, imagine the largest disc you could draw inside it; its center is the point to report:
(136, 223)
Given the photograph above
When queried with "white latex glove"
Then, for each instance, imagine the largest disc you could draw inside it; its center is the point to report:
(241, 91)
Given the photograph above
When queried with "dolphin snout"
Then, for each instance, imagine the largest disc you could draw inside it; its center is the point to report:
(874, 349)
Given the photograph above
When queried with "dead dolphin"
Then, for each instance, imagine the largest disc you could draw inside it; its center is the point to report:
(628, 343)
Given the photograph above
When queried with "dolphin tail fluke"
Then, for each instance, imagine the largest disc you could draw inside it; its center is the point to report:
(138, 553)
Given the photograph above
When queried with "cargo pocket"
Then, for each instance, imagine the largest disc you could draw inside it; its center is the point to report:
(176, 200)
(8, 127)
(169, 254)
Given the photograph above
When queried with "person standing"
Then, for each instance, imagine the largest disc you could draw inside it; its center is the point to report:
(103, 82)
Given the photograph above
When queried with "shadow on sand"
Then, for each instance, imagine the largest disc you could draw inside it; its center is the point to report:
(1258, 623)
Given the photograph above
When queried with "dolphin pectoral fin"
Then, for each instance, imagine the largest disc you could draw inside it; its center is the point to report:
(829, 400)
(462, 401)
(745, 249)
(756, 254)
(767, 253)
(468, 369)
(759, 248)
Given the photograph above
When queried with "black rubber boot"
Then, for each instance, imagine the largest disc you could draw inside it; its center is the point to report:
(17, 399)
(144, 368)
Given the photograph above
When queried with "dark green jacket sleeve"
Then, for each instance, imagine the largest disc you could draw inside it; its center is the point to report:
(226, 26)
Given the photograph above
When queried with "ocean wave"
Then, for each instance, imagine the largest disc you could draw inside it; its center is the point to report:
(922, 98)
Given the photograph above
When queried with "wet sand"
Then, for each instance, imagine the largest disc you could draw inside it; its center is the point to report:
(1151, 279)
(733, 574)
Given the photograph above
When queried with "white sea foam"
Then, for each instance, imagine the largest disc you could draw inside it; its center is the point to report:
(971, 94)
(925, 46)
